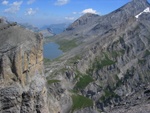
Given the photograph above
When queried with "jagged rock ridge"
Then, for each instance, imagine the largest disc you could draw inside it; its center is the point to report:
(91, 25)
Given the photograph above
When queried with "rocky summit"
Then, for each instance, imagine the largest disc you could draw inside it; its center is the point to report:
(108, 70)
(22, 80)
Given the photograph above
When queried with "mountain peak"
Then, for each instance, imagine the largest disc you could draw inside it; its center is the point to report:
(84, 19)
(89, 14)
(133, 8)
(140, 1)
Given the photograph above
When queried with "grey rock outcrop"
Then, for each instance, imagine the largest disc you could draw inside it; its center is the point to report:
(22, 80)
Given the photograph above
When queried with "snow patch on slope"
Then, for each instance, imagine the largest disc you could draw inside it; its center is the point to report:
(147, 10)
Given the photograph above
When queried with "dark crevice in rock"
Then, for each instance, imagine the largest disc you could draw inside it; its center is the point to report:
(14, 68)
(1, 68)
(147, 92)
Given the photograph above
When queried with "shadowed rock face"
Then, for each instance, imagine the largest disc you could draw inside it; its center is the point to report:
(22, 81)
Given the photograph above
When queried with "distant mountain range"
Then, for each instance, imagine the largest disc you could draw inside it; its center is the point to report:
(47, 30)
(29, 26)
(56, 28)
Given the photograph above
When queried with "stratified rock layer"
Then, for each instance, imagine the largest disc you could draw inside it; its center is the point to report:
(110, 66)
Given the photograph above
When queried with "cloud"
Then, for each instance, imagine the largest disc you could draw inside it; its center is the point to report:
(74, 13)
(14, 7)
(5, 2)
(31, 11)
(70, 18)
(61, 2)
(90, 10)
(30, 2)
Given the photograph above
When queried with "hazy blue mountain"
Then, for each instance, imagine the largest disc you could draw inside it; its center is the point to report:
(56, 28)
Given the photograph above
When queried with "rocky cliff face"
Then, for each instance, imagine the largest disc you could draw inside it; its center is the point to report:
(111, 71)
(22, 81)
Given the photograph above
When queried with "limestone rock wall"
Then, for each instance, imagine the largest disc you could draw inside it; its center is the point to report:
(22, 80)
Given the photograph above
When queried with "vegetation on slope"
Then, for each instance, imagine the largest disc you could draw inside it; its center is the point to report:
(46, 60)
(80, 102)
(83, 82)
(101, 63)
(66, 45)
(147, 53)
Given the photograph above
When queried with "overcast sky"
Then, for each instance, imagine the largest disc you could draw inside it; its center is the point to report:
(42, 12)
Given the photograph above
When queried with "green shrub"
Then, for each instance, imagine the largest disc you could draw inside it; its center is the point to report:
(108, 94)
(147, 53)
(107, 62)
(83, 82)
(104, 62)
(114, 54)
(119, 83)
(121, 40)
(141, 61)
(80, 102)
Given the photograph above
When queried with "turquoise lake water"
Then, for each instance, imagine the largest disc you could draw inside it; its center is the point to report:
(51, 50)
